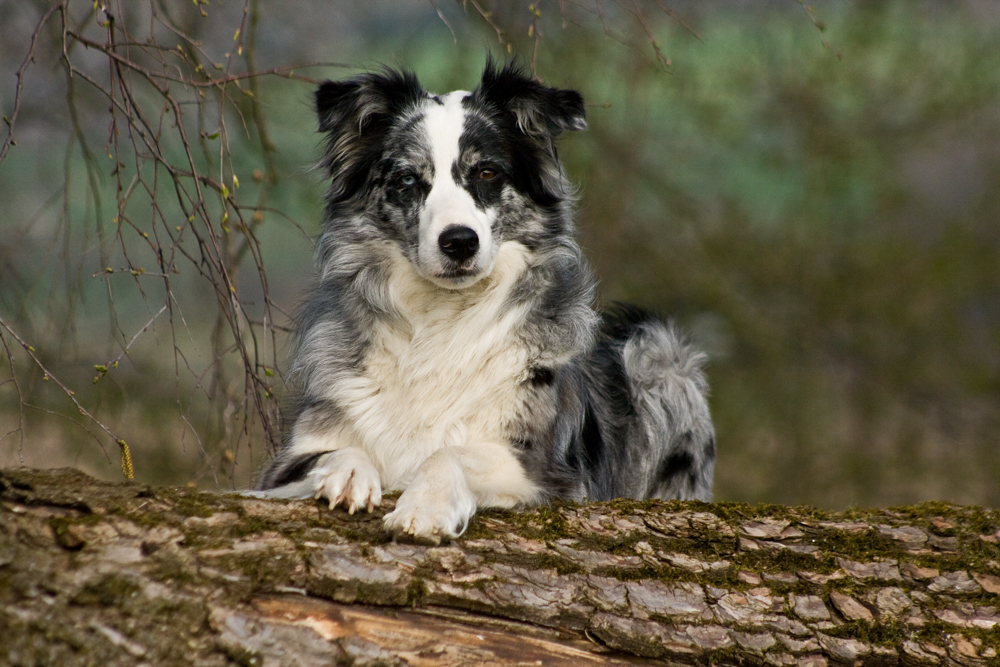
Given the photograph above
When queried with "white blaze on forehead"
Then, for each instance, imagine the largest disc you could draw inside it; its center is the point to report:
(443, 124)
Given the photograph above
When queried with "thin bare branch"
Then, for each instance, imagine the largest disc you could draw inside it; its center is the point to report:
(490, 20)
(444, 20)
(31, 352)
(21, 71)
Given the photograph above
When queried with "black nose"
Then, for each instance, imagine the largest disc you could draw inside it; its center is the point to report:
(458, 243)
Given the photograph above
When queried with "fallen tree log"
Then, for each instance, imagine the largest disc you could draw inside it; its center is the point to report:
(126, 574)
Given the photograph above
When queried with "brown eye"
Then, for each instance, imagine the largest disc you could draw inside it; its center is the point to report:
(487, 174)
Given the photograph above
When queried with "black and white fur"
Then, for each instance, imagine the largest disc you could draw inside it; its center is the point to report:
(449, 347)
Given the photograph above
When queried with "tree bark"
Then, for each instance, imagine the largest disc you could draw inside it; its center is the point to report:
(125, 574)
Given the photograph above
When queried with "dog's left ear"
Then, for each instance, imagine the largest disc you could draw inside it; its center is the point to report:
(540, 111)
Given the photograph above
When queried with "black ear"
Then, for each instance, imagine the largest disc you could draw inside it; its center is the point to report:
(356, 113)
(365, 96)
(533, 115)
(538, 109)
(335, 101)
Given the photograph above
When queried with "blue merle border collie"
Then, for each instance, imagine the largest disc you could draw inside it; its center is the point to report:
(449, 347)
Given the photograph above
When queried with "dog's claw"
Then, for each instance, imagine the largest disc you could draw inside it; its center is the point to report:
(350, 481)
(429, 515)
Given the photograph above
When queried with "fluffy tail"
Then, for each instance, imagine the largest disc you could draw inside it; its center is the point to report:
(647, 430)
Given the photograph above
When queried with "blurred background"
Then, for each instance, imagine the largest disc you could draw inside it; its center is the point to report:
(812, 191)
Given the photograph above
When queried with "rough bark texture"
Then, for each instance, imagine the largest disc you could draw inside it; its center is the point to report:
(124, 574)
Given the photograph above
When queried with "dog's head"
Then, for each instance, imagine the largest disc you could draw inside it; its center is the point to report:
(449, 177)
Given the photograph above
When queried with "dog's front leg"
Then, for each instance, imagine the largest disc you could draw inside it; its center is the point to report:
(449, 486)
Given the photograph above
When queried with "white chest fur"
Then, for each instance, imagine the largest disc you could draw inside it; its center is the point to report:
(448, 373)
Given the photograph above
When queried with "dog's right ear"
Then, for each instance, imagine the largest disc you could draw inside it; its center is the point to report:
(335, 101)
(355, 113)
(365, 97)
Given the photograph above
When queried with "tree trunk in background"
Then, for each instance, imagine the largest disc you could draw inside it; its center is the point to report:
(125, 574)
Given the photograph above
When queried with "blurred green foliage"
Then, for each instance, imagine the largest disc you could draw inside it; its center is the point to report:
(820, 210)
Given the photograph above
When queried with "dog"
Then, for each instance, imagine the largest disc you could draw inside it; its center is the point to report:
(450, 347)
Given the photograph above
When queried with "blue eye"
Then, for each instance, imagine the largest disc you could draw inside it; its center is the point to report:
(408, 180)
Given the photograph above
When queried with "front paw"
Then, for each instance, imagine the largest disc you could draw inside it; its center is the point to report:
(348, 478)
(427, 514)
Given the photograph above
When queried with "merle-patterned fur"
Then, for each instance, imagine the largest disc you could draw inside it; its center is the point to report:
(592, 407)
